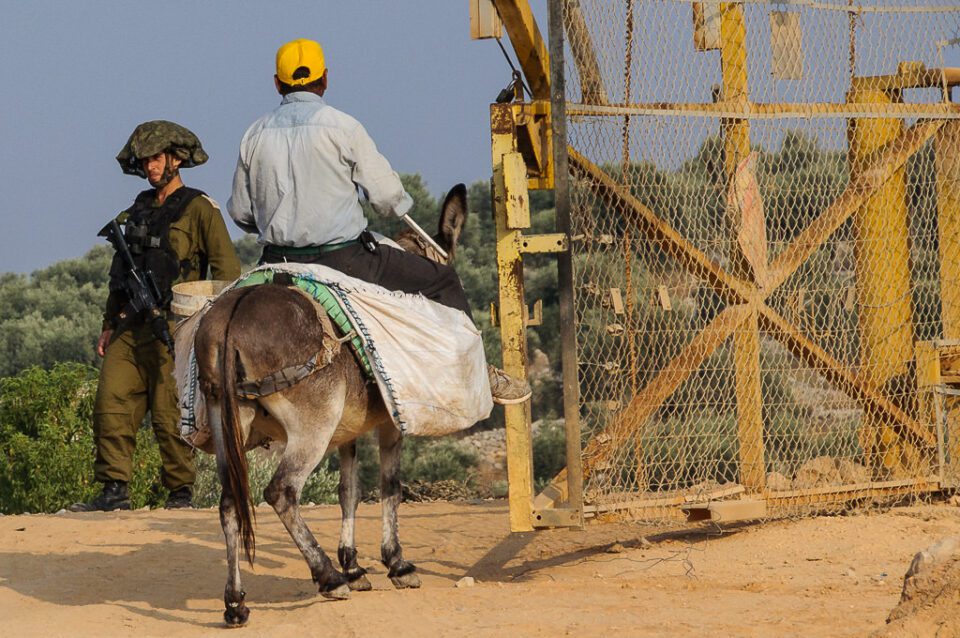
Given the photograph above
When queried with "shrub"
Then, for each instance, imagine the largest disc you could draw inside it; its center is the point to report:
(430, 461)
(46, 438)
(422, 461)
(549, 453)
(321, 486)
(47, 447)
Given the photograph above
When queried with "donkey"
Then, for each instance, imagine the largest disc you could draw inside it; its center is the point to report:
(249, 333)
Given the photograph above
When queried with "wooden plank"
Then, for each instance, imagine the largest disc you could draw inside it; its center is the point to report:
(786, 44)
(484, 20)
(663, 298)
(568, 328)
(616, 300)
(706, 26)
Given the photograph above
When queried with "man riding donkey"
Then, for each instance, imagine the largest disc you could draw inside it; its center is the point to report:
(296, 184)
(172, 234)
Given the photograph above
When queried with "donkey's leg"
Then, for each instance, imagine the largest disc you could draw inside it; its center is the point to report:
(283, 493)
(349, 493)
(402, 574)
(235, 612)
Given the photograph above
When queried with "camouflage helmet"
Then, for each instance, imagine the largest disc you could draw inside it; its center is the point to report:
(160, 136)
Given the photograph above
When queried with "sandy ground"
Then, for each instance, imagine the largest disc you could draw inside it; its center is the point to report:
(158, 573)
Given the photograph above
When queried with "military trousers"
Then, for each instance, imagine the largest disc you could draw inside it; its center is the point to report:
(137, 376)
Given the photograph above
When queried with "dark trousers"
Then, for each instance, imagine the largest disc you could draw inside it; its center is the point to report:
(391, 268)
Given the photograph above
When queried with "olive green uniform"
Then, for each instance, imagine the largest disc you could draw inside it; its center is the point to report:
(137, 371)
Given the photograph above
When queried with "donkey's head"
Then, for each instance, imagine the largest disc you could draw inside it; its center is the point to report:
(453, 216)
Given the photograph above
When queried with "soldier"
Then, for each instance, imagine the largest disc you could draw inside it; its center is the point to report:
(296, 186)
(177, 233)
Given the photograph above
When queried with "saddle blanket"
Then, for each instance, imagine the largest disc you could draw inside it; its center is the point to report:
(427, 359)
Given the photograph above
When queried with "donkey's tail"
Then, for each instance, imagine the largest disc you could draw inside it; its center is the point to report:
(235, 480)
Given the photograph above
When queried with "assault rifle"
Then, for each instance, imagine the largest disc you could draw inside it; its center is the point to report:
(145, 299)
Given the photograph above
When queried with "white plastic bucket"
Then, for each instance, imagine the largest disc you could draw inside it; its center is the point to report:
(190, 296)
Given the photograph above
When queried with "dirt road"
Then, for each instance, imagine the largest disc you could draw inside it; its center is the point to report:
(158, 573)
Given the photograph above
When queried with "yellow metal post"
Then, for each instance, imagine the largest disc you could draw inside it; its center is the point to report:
(947, 153)
(746, 339)
(509, 177)
(883, 279)
(947, 147)
(528, 44)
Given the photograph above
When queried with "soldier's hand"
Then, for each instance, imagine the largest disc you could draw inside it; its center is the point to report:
(103, 342)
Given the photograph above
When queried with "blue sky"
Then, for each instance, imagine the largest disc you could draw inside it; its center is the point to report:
(79, 76)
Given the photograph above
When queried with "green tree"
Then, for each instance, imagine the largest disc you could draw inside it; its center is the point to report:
(53, 315)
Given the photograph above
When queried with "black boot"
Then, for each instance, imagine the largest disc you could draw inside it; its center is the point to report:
(180, 498)
(113, 497)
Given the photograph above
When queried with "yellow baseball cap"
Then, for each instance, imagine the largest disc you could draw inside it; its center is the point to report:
(300, 62)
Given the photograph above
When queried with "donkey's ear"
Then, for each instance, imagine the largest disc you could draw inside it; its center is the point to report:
(453, 215)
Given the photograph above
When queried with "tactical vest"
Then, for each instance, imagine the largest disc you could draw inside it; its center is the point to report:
(147, 233)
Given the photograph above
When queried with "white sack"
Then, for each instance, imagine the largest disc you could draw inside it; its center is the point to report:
(428, 359)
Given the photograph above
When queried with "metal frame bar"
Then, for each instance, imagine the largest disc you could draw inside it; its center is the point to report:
(759, 111)
(826, 495)
(746, 341)
(527, 43)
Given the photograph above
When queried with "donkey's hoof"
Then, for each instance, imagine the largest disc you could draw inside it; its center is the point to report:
(236, 616)
(360, 583)
(406, 581)
(341, 592)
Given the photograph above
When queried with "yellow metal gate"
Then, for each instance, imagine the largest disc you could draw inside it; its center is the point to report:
(764, 242)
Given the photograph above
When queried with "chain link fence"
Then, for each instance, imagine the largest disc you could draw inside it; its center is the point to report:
(765, 210)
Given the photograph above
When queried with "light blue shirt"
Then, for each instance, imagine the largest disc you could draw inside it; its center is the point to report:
(298, 173)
